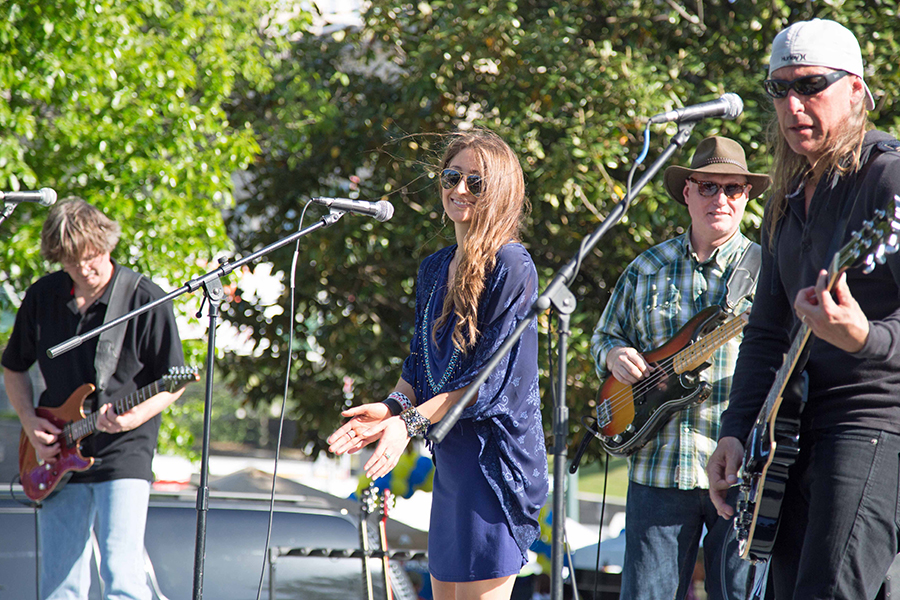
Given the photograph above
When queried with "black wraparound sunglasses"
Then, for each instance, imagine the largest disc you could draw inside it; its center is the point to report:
(450, 178)
(805, 86)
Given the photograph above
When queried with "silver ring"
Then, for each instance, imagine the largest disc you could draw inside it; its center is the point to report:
(387, 456)
(350, 433)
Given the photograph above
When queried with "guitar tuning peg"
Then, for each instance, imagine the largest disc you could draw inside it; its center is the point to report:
(892, 244)
(880, 254)
(869, 264)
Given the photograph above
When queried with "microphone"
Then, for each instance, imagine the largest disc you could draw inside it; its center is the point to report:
(729, 106)
(381, 210)
(44, 197)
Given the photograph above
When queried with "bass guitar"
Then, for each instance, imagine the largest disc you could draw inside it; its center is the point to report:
(628, 416)
(773, 444)
(40, 478)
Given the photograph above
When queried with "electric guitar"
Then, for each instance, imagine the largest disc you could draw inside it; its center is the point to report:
(40, 478)
(367, 503)
(628, 416)
(386, 500)
(773, 444)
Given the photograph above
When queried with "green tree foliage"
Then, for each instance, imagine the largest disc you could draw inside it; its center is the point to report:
(361, 113)
(122, 103)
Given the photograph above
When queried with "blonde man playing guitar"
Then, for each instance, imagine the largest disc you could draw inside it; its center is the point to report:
(838, 528)
(111, 496)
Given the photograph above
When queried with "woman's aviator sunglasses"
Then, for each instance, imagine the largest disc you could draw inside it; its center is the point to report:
(450, 179)
(805, 86)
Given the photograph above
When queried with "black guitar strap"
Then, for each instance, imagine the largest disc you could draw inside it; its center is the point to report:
(743, 279)
(109, 344)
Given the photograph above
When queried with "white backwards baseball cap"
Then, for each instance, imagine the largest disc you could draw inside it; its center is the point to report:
(819, 43)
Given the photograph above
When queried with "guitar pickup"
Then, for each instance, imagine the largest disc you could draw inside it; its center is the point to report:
(604, 414)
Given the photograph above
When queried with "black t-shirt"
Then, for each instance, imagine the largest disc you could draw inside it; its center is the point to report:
(48, 316)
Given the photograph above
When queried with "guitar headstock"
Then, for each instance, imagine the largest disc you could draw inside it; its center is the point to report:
(387, 502)
(368, 501)
(870, 241)
(178, 377)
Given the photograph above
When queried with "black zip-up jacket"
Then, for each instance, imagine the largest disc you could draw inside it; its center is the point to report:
(861, 389)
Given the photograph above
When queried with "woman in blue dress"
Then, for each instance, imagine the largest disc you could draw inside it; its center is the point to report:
(491, 469)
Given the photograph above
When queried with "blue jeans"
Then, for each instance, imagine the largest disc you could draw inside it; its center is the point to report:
(662, 537)
(838, 532)
(117, 512)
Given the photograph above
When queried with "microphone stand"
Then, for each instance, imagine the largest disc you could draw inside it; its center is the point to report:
(8, 209)
(213, 293)
(558, 296)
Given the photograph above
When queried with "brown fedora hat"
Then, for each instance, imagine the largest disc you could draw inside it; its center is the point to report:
(714, 156)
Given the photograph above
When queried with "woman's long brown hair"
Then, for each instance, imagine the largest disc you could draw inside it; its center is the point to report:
(497, 220)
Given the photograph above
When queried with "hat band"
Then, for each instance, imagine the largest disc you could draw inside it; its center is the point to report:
(718, 160)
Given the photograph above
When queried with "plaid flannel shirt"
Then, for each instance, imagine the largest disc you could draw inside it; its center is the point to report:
(658, 293)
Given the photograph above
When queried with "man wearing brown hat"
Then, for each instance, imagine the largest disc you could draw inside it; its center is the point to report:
(839, 511)
(658, 294)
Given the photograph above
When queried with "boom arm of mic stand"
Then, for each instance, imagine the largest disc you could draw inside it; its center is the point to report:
(557, 294)
(191, 286)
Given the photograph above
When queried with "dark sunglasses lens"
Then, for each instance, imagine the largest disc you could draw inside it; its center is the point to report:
(474, 182)
(811, 85)
(776, 89)
(708, 188)
(733, 190)
(450, 179)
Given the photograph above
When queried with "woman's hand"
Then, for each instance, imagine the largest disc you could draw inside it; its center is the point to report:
(363, 428)
(393, 442)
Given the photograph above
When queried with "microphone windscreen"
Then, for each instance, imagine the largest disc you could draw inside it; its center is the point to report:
(48, 197)
(735, 105)
(385, 210)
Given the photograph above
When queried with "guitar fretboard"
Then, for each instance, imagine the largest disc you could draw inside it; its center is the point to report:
(787, 367)
(697, 353)
(77, 430)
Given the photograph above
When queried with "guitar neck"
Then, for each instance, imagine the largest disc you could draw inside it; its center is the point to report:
(702, 350)
(76, 430)
(787, 368)
(792, 356)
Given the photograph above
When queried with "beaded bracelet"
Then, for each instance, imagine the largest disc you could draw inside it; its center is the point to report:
(402, 398)
(416, 424)
(397, 402)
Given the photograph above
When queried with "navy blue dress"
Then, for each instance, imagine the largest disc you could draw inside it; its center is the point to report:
(491, 469)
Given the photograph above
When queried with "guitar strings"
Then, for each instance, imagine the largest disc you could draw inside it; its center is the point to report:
(652, 380)
(620, 400)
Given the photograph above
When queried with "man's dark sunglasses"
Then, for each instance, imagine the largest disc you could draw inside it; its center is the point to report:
(805, 86)
(450, 179)
(711, 188)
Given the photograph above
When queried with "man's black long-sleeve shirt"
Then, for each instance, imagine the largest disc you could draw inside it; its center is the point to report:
(861, 389)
